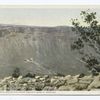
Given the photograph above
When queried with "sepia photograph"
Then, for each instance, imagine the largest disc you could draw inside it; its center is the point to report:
(50, 49)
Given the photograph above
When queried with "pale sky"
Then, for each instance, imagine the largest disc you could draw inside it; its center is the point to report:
(42, 15)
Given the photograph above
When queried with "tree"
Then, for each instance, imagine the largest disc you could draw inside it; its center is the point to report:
(88, 36)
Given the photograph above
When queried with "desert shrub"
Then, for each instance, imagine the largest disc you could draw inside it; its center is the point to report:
(30, 75)
(59, 74)
(81, 75)
(16, 73)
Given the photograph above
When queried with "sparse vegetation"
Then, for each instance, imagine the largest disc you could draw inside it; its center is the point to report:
(59, 74)
(30, 75)
(16, 73)
(81, 75)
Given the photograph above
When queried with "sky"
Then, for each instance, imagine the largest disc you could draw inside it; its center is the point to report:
(42, 15)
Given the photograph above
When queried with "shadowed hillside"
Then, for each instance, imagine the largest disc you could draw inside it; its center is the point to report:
(40, 50)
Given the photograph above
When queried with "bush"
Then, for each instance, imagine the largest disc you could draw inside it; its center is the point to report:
(30, 75)
(16, 73)
(60, 74)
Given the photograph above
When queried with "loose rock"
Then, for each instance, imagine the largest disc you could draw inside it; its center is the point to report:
(50, 83)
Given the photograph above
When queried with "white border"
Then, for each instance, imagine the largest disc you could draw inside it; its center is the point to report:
(50, 93)
(50, 2)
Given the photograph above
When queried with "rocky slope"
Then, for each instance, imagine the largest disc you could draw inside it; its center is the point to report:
(39, 50)
(51, 83)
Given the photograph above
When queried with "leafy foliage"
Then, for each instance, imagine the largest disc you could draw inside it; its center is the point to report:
(88, 35)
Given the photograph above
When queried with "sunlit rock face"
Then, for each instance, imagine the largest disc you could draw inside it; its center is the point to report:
(39, 50)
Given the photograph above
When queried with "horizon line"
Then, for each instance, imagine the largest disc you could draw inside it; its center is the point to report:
(36, 25)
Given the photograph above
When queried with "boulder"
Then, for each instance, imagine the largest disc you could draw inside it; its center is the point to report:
(86, 79)
(72, 81)
(37, 77)
(20, 78)
(39, 86)
(95, 83)
(66, 88)
(67, 77)
(80, 86)
(46, 76)
(49, 88)
(57, 82)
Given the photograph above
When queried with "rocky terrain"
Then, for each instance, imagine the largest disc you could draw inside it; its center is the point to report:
(51, 83)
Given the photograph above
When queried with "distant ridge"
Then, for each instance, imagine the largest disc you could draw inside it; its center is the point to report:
(48, 46)
(18, 25)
